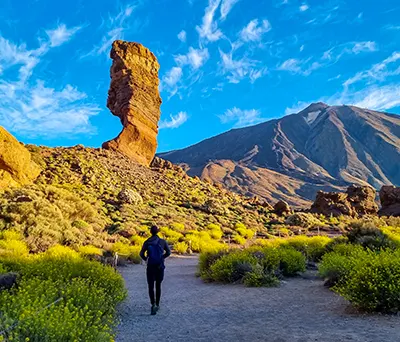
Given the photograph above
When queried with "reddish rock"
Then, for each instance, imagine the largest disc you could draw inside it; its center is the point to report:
(356, 201)
(390, 201)
(134, 97)
(282, 208)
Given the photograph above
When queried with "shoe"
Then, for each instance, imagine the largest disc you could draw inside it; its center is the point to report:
(153, 310)
(157, 308)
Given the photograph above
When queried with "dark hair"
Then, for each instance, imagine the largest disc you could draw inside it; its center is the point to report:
(154, 230)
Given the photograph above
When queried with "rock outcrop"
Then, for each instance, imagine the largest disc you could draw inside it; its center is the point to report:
(390, 201)
(282, 208)
(134, 97)
(16, 165)
(356, 201)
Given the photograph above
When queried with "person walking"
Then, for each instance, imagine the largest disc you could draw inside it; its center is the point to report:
(154, 251)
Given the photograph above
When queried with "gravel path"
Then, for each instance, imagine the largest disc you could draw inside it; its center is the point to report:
(299, 310)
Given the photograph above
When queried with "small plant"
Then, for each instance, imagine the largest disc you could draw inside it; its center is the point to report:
(181, 247)
(368, 236)
(292, 262)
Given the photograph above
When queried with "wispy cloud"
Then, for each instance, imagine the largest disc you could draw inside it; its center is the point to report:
(378, 72)
(255, 30)
(170, 80)
(240, 117)
(226, 7)
(239, 69)
(174, 121)
(115, 25)
(209, 28)
(61, 34)
(182, 36)
(350, 48)
(195, 58)
(304, 7)
(31, 108)
(297, 66)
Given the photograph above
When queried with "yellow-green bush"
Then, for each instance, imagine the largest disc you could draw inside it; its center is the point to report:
(89, 250)
(373, 282)
(87, 295)
(215, 231)
(179, 227)
(15, 247)
(128, 251)
(312, 247)
(291, 261)
(203, 243)
(241, 229)
(240, 240)
(181, 247)
(138, 240)
(170, 235)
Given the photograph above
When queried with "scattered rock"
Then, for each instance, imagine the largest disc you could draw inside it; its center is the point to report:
(357, 201)
(255, 201)
(134, 97)
(390, 201)
(8, 280)
(162, 164)
(214, 207)
(129, 196)
(16, 165)
(282, 208)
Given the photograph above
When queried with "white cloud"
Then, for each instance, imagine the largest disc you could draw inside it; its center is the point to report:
(116, 26)
(174, 121)
(195, 58)
(378, 72)
(297, 107)
(172, 77)
(226, 7)
(301, 67)
(303, 8)
(350, 48)
(209, 28)
(378, 98)
(182, 36)
(240, 117)
(28, 107)
(61, 34)
(239, 69)
(254, 31)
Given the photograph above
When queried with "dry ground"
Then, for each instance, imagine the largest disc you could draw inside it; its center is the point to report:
(300, 310)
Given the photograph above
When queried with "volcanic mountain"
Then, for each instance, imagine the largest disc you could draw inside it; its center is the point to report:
(320, 148)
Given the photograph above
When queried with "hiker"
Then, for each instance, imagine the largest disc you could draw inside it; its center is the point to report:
(154, 251)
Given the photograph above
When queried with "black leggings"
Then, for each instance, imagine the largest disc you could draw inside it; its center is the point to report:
(155, 274)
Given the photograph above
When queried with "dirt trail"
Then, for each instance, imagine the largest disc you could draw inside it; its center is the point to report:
(299, 310)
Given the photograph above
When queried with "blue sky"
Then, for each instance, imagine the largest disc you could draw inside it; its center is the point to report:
(224, 63)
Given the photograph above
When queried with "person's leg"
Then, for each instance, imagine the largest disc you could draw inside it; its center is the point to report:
(150, 283)
(159, 279)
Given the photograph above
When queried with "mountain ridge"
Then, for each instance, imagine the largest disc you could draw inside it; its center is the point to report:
(319, 148)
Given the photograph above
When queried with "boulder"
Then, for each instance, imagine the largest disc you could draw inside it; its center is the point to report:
(16, 165)
(356, 201)
(390, 201)
(129, 196)
(134, 97)
(304, 220)
(282, 208)
(362, 199)
(8, 280)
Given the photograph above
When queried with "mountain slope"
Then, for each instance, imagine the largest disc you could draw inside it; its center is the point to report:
(322, 147)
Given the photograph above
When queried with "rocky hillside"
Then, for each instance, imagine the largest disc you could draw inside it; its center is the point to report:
(320, 148)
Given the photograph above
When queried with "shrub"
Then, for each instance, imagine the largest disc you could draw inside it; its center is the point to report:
(368, 236)
(127, 251)
(232, 267)
(312, 247)
(292, 262)
(259, 277)
(215, 231)
(239, 239)
(181, 247)
(170, 235)
(179, 227)
(138, 240)
(206, 260)
(89, 251)
(241, 229)
(337, 265)
(87, 295)
(373, 283)
(15, 247)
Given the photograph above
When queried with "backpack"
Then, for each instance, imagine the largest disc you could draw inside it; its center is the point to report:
(155, 254)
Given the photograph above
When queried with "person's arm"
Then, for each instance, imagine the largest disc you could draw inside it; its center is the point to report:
(142, 252)
(167, 250)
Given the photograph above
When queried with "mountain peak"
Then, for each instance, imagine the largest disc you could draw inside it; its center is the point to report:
(316, 106)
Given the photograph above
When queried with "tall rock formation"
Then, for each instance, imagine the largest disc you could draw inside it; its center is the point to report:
(16, 166)
(134, 97)
(390, 201)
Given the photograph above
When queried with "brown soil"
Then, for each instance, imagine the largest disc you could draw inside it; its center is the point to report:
(300, 310)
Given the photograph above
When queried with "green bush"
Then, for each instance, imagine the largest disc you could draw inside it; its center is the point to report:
(292, 262)
(373, 284)
(239, 239)
(170, 235)
(87, 291)
(206, 260)
(312, 247)
(260, 277)
(368, 236)
(232, 267)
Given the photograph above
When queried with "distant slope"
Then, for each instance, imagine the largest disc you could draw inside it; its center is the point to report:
(322, 147)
